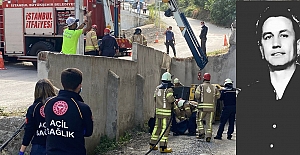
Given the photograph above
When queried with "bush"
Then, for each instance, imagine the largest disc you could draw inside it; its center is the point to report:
(223, 12)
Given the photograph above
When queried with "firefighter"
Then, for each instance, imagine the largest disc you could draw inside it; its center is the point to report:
(164, 101)
(177, 83)
(91, 42)
(228, 95)
(72, 33)
(138, 37)
(206, 94)
(109, 46)
(184, 118)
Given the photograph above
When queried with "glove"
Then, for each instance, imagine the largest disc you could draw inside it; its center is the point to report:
(21, 153)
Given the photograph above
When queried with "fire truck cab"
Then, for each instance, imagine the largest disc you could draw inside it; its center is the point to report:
(30, 26)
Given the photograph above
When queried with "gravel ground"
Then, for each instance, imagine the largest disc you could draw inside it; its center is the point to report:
(181, 145)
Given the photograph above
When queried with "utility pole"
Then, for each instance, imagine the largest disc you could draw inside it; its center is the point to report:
(79, 15)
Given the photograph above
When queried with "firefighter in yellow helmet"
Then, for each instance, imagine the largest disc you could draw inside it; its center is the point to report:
(164, 101)
(138, 37)
(206, 95)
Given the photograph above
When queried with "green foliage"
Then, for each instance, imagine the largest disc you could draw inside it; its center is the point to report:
(106, 144)
(223, 11)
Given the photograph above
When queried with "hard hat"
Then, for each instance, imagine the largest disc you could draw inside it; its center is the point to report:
(94, 26)
(206, 76)
(228, 81)
(176, 80)
(180, 103)
(166, 76)
(106, 30)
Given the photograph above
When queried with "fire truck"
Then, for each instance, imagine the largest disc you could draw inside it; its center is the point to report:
(30, 26)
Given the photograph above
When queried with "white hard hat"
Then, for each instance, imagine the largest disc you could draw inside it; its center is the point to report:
(227, 81)
(166, 76)
(180, 103)
(176, 80)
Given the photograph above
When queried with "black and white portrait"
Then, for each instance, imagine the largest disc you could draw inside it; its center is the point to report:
(268, 72)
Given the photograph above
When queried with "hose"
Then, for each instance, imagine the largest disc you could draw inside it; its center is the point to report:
(169, 123)
(13, 137)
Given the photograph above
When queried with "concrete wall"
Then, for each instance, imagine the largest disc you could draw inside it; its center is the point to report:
(130, 19)
(120, 92)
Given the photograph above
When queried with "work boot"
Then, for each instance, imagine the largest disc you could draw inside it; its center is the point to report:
(208, 139)
(165, 150)
(154, 148)
(218, 137)
(200, 136)
(229, 137)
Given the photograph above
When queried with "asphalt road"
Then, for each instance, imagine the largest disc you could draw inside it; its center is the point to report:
(215, 36)
(17, 86)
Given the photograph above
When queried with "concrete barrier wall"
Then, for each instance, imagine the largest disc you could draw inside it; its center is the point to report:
(220, 67)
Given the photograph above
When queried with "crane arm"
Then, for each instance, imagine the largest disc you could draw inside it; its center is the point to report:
(187, 33)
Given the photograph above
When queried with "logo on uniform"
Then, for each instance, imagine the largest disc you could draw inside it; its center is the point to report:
(60, 108)
(208, 90)
(42, 112)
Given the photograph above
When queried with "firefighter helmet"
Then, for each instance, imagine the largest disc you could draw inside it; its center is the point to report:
(94, 26)
(166, 76)
(228, 81)
(176, 80)
(206, 76)
(106, 30)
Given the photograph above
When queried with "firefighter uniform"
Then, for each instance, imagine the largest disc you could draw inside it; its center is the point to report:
(184, 118)
(206, 94)
(138, 37)
(91, 42)
(164, 101)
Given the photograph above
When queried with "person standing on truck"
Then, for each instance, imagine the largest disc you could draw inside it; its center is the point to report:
(206, 95)
(228, 96)
(68, 118)
(109, 46)
(203, 37)
(170, 40)
(138, 37)
(91, 42)
(72, 34)
(35, 128)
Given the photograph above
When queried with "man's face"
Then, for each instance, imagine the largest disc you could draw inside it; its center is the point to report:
(278, 44)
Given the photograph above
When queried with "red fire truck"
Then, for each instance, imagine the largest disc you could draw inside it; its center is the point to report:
(30, 26)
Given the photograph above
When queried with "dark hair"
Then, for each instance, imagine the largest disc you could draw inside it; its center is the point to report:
(71, 78)
(276, 12)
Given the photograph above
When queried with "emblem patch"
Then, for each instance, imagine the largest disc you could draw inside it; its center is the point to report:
(208, 90)
(42, 112)
(60, 108)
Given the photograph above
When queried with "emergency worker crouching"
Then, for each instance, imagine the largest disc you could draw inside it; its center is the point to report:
(206, 95)
(138, 37)
(164, 100)
(184, 118)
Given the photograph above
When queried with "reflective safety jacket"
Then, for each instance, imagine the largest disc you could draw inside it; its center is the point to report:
(164, 99)
(207, 96)
(91, 42)
(185, 111)
(139, 38)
